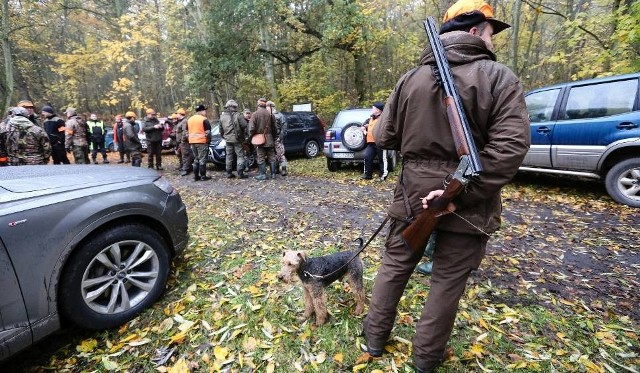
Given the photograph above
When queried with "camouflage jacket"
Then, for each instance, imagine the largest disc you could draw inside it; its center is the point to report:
(24, 143)
(75, 132)
(233, 127)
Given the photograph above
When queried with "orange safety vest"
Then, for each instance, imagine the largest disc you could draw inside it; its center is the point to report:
(372, 123)
(195, 126)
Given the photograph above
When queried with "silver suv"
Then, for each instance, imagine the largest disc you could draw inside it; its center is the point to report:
(589, 128)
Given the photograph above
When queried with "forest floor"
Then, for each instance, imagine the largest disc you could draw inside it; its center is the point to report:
(557, 290)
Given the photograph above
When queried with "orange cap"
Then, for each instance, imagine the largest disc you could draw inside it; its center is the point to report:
(25, 103)
(151, 111)
(462, 13)
(130, 114)
(181, 112)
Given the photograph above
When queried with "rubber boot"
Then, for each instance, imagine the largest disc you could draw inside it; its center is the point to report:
(241, 174)
(136, 163)
(121, 160)
(263, 172)
(203, 172)
(229, 174)
(284, 171)
(196, 172)
(425, 268)
(105, 160)
(274, 167)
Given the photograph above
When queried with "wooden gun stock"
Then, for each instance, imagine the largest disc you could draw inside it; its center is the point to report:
(416, 235)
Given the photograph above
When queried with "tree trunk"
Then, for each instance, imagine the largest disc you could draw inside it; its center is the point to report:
(360, 66)
(8, 61)
(515, 32)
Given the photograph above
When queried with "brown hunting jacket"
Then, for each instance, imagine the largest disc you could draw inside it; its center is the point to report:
(414, 122)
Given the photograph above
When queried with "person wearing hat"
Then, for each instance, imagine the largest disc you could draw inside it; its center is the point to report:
(30, 110)
(22, 142)
(76, 137)
(54, 127)
(233, 129)
(98, 138)
(118, 139)
(415, 122)
(281, 132)
(132, 142)
(263, 123)
(182, 138)
(199, 130)
(153, 130)
(372, 150)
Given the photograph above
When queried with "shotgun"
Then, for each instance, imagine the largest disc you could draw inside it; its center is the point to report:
(416, 235)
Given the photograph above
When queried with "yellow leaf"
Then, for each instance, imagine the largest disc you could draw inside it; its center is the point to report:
(87, 345)
(180, 366)
(338, 357)
(271, 367)
(178, 338)
(128, 338)
(477, 350)
(359, 367)
(165, 325)
(108, 364)
(220, 352)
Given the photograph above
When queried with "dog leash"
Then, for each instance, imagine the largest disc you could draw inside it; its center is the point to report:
(361, 249)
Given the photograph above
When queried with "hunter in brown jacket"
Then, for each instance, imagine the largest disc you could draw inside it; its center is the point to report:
(414, 122)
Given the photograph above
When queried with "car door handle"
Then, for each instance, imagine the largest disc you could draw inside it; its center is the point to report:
(305, 130)
(626, 126)
(543, 130)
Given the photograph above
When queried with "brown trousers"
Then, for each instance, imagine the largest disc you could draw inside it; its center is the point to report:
(456, 255)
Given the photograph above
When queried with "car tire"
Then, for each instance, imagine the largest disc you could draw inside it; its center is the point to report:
(311, 149)
(111, 148)
(333, 166)
(130, 261)
(250, 159)
(623, 182)
(353, 138)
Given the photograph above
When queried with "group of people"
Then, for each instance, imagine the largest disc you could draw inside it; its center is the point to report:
(239, 131)
(413, 121)
(25, 141)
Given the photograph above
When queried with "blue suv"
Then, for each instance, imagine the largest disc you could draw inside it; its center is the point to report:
(589, 128)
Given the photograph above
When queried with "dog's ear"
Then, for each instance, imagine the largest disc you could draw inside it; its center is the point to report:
(302, 255)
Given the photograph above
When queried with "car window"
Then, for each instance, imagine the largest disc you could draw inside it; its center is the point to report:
(599, 100)
(294, 122)
(349, 116)
(540, 105)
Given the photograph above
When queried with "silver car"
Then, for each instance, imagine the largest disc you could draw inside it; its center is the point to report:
(88, 245)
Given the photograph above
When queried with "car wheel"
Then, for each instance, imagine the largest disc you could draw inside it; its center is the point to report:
(353, 138)
(114, 276)
(311, 149)
(623, 182)
(111, 148)
(333, 166)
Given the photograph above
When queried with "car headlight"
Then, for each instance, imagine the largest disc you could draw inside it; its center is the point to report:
(222, 144)
(164, 185)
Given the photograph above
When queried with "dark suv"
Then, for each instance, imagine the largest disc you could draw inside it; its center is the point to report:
(589, 128)
(305, 133)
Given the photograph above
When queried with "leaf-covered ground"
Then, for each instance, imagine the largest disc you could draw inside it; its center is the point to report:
(557, 292)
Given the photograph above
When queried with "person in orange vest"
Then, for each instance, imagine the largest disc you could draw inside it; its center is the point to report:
(372, 150)
(199, 130)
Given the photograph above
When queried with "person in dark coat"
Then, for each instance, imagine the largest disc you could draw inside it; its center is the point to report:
(414, 121)
(153, 130)
(54, 127)
(263, 122)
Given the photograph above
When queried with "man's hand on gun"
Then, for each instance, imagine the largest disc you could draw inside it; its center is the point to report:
(435, 194)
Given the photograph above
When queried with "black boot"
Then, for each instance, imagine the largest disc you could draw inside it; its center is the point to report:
(241, 174)
(283, 172)
(229, 174)
(196, 172)
(136, 163)
(121, 160)
(263, 172)
(273, 166)
(105, 160)
(203, 172)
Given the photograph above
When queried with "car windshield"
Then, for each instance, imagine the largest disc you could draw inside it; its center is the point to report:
(349, 116)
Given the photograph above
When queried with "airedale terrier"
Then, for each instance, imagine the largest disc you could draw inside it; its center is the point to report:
(317, 273)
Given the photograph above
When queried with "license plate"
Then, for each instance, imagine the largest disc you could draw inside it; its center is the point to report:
(344, 155)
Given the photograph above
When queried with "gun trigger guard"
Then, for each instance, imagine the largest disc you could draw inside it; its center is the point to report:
(447, 180)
